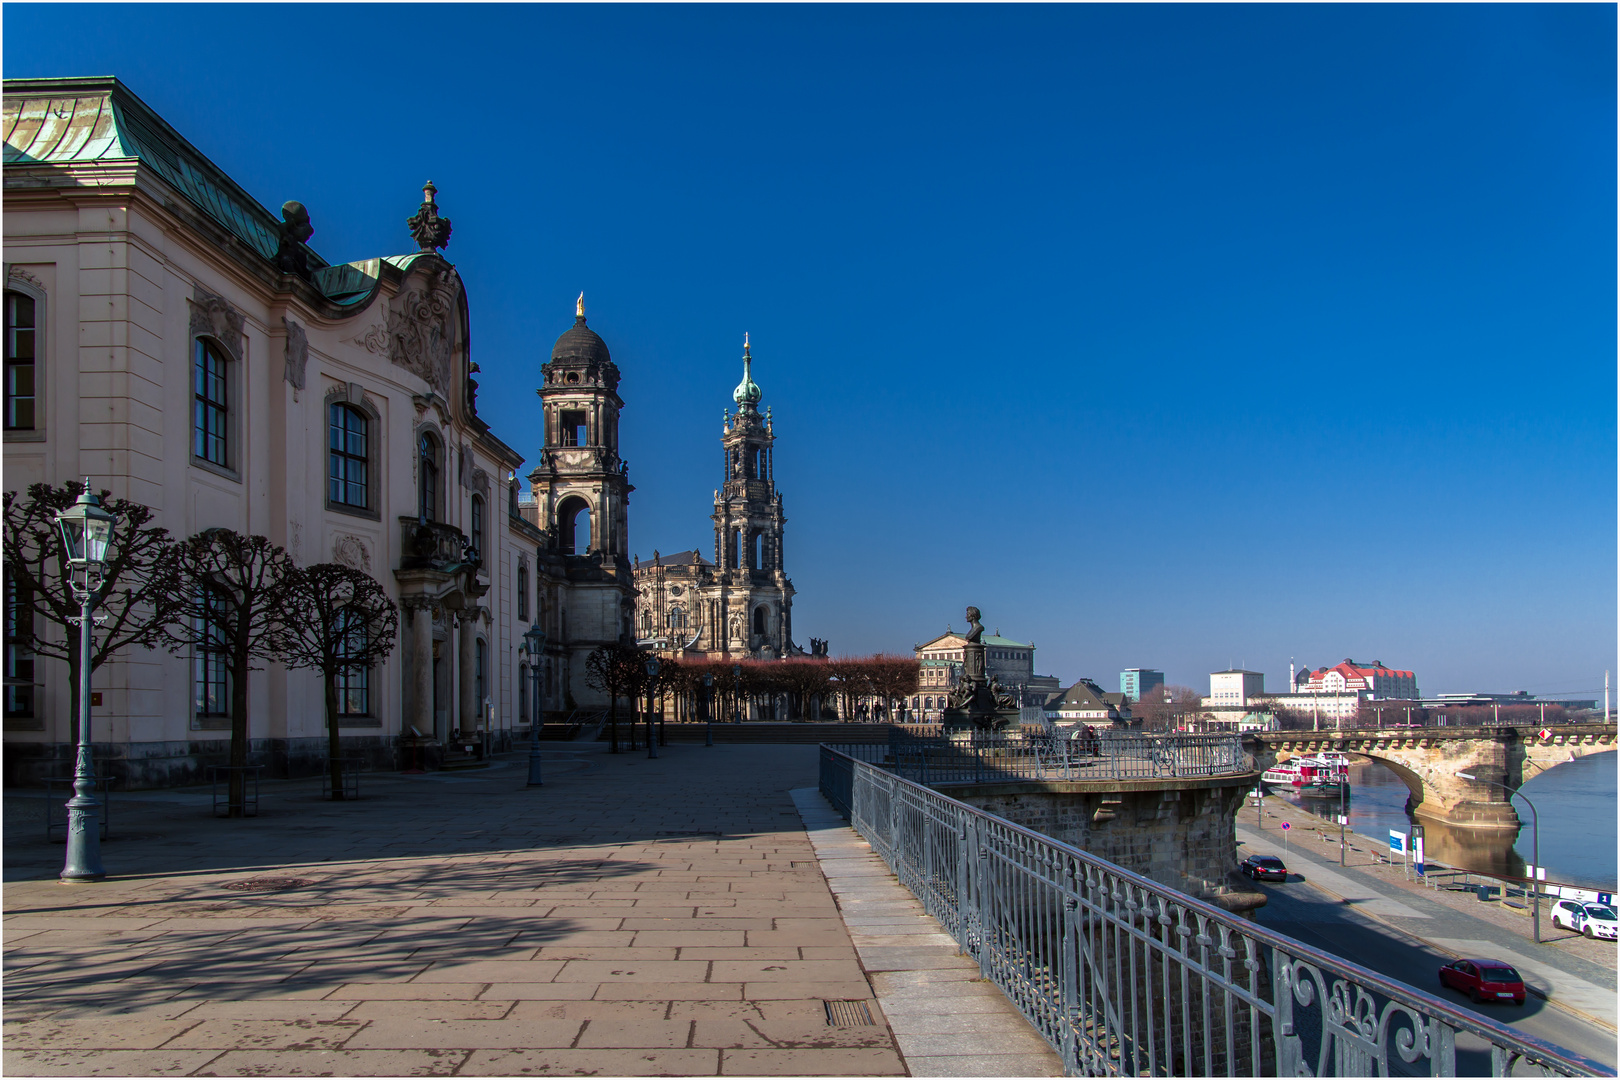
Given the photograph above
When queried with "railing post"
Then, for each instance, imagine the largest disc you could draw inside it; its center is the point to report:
(986, 903)
(1070, 988)
(962, 917)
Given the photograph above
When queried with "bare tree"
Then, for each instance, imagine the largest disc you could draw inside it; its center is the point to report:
(137, 597)
(339, 622)
(614, 669)
(235, 591)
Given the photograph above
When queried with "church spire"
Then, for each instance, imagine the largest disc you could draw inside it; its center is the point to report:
(747, 394)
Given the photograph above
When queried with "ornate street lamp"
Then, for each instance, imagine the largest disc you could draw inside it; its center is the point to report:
(535, 641)
(708, 708)
(87, 530)
(736, 692)
(652, 680)
(1535, 852)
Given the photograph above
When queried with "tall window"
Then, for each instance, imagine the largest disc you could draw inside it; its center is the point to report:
(427, 470)
(20, 338)
(211, 668)
(522, 591)
(346, 474)
(478, 526)
(353, 682)
(209, 405)
(19, 658)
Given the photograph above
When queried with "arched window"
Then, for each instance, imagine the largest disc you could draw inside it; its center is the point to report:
(427, 475)
(347, 478)
(758, 553)
(761, 614)
(20, 359)
(574, 525)
(210, 404)
(477, 526)
(646, 624)
(354, 681)
(677, 618)
(522, 591)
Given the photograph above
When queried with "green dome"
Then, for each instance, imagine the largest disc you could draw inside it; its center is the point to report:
(747, 394)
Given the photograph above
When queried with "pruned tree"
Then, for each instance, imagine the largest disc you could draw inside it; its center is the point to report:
(137, 595)
(892, 678)
(234, 593)
(615, 670)
(339, 622)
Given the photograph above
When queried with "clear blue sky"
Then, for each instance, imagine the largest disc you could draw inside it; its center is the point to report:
(1174, 337)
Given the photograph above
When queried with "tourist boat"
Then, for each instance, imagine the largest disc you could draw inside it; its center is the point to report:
(1320, 775)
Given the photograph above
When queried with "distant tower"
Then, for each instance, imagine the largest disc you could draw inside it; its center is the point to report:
(582, 487)
(752, 613)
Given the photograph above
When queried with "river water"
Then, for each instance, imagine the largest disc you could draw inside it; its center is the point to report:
(1576, 802)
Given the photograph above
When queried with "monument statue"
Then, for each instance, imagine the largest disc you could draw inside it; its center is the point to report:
(979, 703)
(975, 631)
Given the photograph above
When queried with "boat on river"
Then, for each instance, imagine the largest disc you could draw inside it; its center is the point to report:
(1321, 775)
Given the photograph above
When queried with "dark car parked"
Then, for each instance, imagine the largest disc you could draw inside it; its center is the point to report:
(1265, 866)
(1484, 980)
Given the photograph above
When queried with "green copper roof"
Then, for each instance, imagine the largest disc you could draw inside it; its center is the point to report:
(84, 121)
(747, 394)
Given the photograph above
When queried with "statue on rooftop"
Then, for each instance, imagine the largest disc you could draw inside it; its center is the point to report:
(291, 256)
(428, 229)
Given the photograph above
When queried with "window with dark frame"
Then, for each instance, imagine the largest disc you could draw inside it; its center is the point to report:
(211, 666)
(427, 452)
(347, 479)
(477, 526)
(20, 358)
(210, 405)
(575, 430)
(354, 681)
(522, 591)
(19, 658)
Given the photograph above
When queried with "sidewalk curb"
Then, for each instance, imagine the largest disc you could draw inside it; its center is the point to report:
(1606, 1023)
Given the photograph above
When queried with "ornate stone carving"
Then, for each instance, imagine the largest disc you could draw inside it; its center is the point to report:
(480, 481)
(428, 229)
(297, 353)
(374, 340)
(18, 274)
(213, 316)
(421, 335)
(291, 255)
(351, 552)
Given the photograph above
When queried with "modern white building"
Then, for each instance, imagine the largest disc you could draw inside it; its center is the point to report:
(1235, 687)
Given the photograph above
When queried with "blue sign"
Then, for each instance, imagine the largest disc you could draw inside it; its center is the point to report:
(1605, 898)
(1285, 826)
(1397, 841)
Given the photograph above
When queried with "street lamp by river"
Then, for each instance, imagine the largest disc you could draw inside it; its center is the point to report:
(87, 530)
(1535, 852)
(535, 641)
(652, 682)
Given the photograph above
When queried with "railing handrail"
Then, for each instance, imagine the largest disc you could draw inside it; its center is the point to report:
(1496, 1033)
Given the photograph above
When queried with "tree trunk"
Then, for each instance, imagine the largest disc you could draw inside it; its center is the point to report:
(613, 720)
(334, 746)
(236, 797)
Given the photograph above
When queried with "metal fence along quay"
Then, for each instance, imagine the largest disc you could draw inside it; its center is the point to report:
(1127, 977)
(1104, 755)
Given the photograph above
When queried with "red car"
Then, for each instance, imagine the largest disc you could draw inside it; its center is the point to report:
(1484, 980)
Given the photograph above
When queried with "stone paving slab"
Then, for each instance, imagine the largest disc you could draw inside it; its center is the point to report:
(945, 1020)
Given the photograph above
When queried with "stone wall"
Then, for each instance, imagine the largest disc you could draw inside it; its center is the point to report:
(1179, 832)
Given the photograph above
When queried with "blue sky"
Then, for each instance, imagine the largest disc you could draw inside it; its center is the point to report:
(1174, 337)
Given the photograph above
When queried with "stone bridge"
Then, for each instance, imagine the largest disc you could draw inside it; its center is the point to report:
(1428, 760)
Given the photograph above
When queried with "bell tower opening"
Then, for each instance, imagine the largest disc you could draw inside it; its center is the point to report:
(574, 525)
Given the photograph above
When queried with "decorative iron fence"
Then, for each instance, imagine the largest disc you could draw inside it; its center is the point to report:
(1127, 977)
(1104, 756)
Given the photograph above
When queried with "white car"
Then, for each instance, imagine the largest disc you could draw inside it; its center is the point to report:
(1593, 920)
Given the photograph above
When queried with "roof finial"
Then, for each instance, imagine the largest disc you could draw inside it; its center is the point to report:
(428, 229)
(745, 341)
(579, 306)
(747, 394)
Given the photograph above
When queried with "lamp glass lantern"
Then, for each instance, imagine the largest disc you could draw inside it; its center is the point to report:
(652, 667)
(87, 531)
(535, 638)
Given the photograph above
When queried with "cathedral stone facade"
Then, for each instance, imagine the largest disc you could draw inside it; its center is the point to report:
(740, 605)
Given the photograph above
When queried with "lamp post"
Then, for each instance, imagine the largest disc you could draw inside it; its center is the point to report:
(736, 692)
(1535, 852)
(652, 681)
(87, 530)
(708, 708)
(535, 641)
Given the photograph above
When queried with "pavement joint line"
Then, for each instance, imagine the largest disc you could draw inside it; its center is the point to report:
(1607, 1023)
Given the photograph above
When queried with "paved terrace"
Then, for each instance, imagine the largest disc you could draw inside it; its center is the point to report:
(632, 917)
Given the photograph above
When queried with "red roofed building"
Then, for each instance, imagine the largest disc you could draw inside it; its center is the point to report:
(1372, 680)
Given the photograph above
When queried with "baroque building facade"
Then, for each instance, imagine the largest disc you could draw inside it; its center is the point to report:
(184, 347)
(740, 604)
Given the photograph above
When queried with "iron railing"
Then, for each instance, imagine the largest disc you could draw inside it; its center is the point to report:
(1124, 976)
(1105, 756)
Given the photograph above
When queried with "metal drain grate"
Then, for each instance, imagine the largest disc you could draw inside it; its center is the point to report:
(269, 884)
(848, 1014)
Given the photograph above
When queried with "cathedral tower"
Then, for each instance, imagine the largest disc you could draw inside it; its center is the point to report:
(753, 610)
(581, 488)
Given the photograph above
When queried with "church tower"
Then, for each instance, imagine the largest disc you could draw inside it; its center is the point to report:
(581, 488)
(752, 603)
